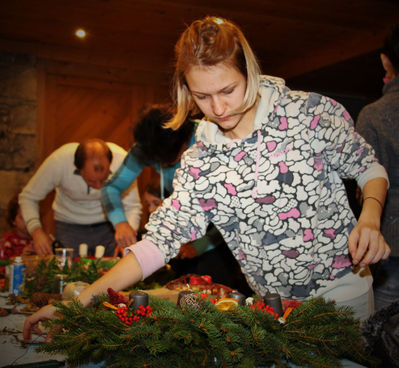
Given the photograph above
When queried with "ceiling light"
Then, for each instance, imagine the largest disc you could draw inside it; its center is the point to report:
(80, 33)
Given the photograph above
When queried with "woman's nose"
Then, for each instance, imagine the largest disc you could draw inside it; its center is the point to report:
(218, 106)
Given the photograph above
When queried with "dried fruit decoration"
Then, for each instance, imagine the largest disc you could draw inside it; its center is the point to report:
(116, 298)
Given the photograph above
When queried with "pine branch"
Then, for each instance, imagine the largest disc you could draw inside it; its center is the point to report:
(316, 334)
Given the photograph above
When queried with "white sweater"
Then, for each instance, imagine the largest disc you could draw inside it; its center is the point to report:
(74, 201)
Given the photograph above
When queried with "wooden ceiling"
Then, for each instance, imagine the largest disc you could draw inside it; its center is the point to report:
(290, 37)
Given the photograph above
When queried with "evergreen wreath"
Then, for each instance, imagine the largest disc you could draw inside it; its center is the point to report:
(44, 277)
(315, 334)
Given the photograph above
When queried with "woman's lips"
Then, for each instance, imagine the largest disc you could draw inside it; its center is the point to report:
(224, 118)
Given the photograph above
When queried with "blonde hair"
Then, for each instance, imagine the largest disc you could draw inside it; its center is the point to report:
(207, 42)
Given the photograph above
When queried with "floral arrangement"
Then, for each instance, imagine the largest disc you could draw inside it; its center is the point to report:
(116, 331)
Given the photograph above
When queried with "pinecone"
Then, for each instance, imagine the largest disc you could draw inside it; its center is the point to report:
(191, 300)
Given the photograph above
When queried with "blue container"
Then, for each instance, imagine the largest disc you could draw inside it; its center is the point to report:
(17, 275)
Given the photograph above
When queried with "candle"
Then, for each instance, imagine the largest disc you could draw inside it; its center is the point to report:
(274, 300)
(139, 298)
(100, 250)
(238, 296)
(83, 250)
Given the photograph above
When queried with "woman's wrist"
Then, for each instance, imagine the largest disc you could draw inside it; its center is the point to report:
(374, 199)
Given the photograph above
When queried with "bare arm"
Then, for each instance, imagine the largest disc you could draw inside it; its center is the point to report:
(366, 243)
(124, 274)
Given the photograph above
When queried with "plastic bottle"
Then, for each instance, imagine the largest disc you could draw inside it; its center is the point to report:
(17, 275)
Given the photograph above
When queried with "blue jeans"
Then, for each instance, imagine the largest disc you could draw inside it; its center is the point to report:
(386, 282)
(72, 235)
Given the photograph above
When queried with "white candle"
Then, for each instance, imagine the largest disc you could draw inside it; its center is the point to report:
(83, 250)
(100, 250)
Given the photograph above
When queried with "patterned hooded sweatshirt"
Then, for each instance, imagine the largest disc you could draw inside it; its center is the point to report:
(276, 196)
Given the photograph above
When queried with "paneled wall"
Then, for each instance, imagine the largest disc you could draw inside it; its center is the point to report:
(73, 107)
(75, 102)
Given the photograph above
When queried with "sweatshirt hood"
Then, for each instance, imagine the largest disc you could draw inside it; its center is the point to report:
(270, 92)
(210, 140)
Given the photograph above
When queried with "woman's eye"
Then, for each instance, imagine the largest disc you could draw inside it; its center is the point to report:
(200, 97)
(229, 91)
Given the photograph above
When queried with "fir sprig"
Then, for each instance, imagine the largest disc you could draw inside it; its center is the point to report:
(316, 334)
(44, 277)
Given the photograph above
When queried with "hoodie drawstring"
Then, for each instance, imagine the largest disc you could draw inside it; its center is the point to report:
(161, 175)
(255, 188)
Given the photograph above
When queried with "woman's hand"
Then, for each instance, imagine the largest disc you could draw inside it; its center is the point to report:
(124, 274)
(367, 245)
(32, 322)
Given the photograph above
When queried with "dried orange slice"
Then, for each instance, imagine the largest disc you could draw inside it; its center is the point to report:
(225, 304)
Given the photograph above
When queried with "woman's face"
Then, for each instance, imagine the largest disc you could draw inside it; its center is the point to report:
(151, 202)
(19, 224)
(219, 91)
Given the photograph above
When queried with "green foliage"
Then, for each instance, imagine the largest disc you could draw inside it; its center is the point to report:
(45, 276)
(316, 334)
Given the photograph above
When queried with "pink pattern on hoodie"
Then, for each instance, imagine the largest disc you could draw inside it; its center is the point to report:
(283, 167)
(239, 156)
(341, 262)
(271, 145)
(283, 124)
(308, 235)
(314, 122)
(195, 172)
(176, 204)
(231, 189)
(292, 213)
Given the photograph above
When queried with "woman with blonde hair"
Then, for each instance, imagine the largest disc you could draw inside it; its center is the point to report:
(265, 170)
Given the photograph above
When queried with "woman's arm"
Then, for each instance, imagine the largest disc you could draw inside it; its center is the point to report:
(366, 243)
(111, 196)
(121, 180)
(124, 274)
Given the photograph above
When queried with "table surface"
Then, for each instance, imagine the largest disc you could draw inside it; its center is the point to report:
(12, 351)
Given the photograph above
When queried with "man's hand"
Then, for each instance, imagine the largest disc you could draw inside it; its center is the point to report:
(187, 251)
(41, 242)
(125, 235)
(32, 322)
(118, 251)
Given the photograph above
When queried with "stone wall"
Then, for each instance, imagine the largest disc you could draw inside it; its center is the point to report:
(18, 125)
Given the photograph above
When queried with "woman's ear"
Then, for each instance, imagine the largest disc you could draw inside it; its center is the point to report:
(388, 66)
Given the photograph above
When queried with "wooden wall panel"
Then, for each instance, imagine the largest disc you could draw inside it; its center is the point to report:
(75, 108)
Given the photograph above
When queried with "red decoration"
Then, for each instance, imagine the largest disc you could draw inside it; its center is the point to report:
(200, 280)
(128, 316)
(206, 297)
(115, 298)
(290, 303)
(207, 279)
(259, 305)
